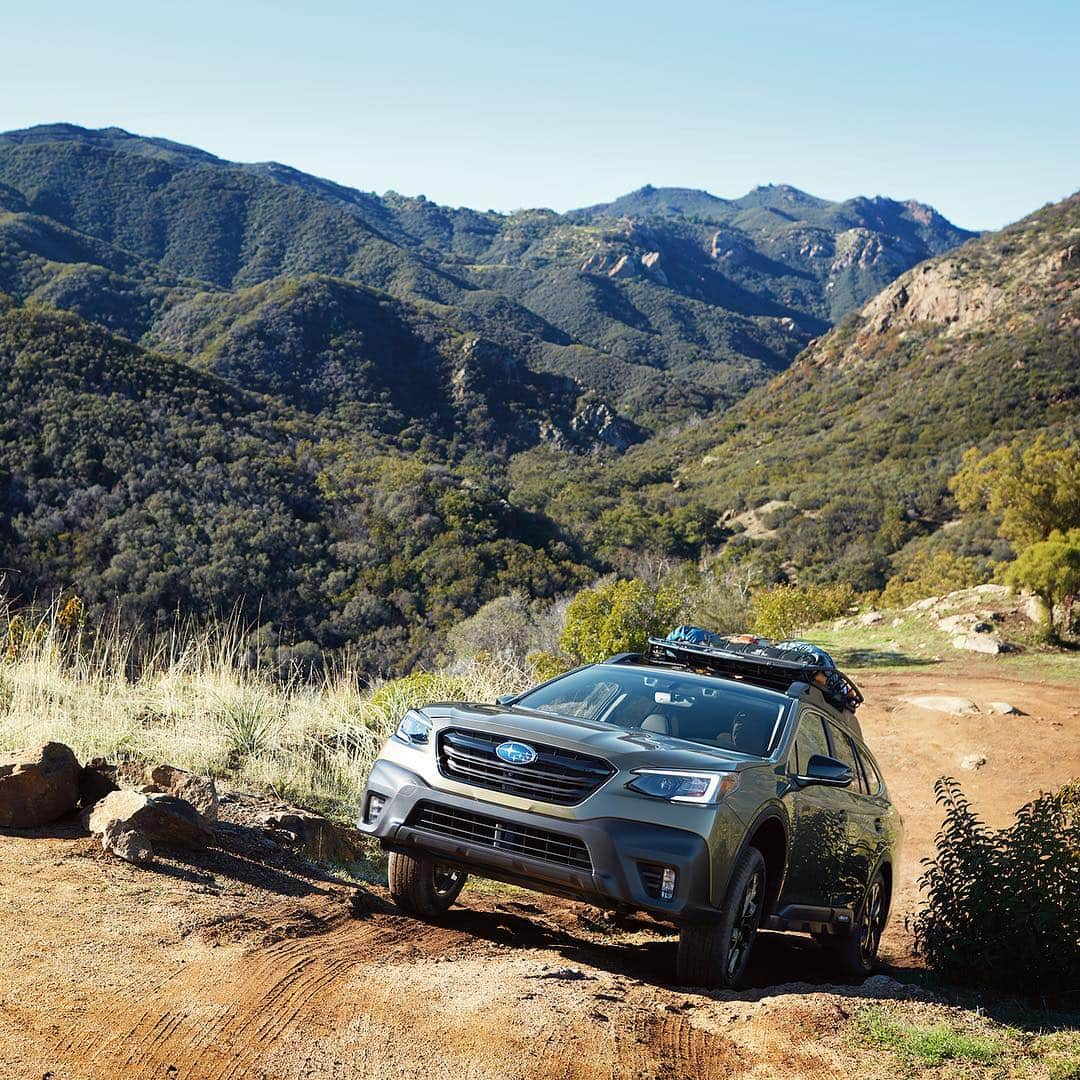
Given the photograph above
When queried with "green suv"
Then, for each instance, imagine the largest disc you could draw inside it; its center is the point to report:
(726, 789)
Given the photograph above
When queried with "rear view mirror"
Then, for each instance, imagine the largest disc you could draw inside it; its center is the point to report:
(825, 770)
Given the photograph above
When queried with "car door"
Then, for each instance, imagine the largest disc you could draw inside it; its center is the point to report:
(860, 814)
(819, 839)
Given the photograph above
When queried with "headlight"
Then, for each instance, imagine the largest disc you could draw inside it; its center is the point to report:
(678, 786)
(415, 729)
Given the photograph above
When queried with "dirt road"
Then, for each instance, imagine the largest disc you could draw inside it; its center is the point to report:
(227, 967)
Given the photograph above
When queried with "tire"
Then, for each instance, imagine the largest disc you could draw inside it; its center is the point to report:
(715, 953)
(423, 887)
(856, 953)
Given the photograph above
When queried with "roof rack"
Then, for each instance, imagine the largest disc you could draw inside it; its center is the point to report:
(761, 664)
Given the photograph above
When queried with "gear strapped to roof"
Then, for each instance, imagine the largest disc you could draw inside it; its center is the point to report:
(773, 665)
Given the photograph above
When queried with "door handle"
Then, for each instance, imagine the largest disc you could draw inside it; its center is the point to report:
(878, 826)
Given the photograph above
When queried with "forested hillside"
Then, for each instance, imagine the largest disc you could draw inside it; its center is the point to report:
(660, 314)
(134, 479)
(839, 469)
(360, 417)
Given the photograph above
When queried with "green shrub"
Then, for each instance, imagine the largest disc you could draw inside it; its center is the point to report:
(617, 617)
(1001, 907)
(784, 610)
(544, 665)
(929, 574)
(1050, 568)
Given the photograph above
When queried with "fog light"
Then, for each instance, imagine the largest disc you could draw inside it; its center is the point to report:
(375, 804)
(667, 884)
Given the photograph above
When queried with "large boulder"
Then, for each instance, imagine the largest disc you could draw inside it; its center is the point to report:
(983, 643)
(161, 819)
(200, 791)
(38, 786)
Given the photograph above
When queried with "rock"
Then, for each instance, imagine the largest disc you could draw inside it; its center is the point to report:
(200, 791)
(1003, 708)
(313, 834)
(38, 786)
(984, 643)
(923, 605)
(97, 778)
(128, 844)
(897, 622)
(163, 819)
(871, 618)
(957, 624)
(953, 706)
(973, 762)
(1033, 609)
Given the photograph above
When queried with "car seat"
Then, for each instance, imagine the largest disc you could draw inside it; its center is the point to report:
(657, 723)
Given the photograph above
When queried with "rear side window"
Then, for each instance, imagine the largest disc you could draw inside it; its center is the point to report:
(810, 740)
(873, 781)
(844, 750)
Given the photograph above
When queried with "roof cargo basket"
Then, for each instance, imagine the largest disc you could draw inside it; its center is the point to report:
(761, 663)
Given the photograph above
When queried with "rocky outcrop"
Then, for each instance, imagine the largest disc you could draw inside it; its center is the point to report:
(38, 785)
(651, 261)
(938, 292)
(200, 791)
(597, 422)
(161, 819)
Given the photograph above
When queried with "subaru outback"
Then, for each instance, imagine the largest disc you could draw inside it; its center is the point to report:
(726, 788)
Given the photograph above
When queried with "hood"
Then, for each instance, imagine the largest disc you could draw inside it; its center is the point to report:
(624, 749)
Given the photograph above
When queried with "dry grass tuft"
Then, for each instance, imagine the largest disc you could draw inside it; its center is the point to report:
(194, 698)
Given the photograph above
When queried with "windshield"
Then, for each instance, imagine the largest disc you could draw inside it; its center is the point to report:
(697, 708)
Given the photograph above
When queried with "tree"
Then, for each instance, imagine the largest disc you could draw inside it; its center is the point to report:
(618, 617)
(783, 610)
(1036, 490)
(1051, 570)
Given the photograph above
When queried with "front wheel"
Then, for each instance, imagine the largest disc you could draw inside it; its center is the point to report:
(856, 953)
(715, 953)
(423, 887)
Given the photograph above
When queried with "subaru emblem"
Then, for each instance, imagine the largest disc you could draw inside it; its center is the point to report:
(515, 753)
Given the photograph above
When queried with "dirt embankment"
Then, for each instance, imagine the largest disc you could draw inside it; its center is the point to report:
(227, 966)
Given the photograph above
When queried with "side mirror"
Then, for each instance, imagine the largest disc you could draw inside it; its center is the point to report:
(821, 769)
(505, 699)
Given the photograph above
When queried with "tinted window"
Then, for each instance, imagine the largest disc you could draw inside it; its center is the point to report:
(844, 750)
(810, 740)
(873, 781)
(697, 708)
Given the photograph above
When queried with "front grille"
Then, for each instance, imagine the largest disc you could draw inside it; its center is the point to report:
(563, 777)
(550, 847)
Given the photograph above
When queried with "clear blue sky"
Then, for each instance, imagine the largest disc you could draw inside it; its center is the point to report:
(971, 106)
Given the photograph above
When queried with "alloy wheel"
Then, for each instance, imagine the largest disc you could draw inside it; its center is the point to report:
(446, 878)
(873, 921)
(745, 925)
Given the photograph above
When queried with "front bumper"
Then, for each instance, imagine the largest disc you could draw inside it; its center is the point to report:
(617, 849)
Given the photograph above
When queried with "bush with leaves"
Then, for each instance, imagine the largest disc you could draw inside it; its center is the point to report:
(1001, 907)
(929, 573)
(618, 617)
(1035, 488)
(1050, 568)
(784, 610)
